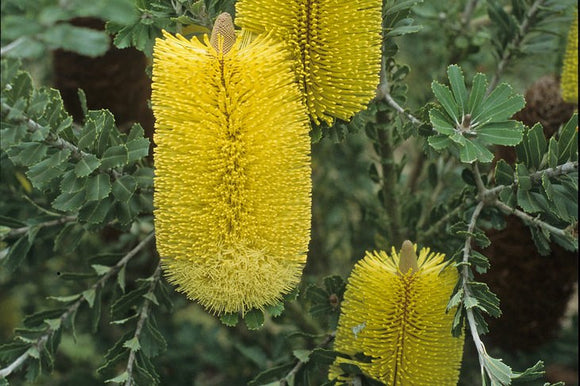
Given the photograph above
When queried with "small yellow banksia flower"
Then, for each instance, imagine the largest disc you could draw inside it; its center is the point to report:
(336, 45)
(569, 82)
(394, 311)
(232, 180)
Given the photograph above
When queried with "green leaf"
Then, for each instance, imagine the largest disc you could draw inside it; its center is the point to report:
(114, 156)
(537, 145)
(100, 269)
(568, 141)
(122, 305)
(254, 319)
(527, 201)
(83, 101)
(440, 122)
(439, 141)
(38, 318)
(489, 107)
(276, 309)
(302, 355)
(498, 372)
(121, 378)
(27, 153)
(443, 94)
(121, 278)
(65, 299)
(144, 177)
(96, 311)
(547, 185)
(17, 253)
(133, 344)
(487, 301)
(523, 177)
(98, 187)
(530, 374)
(41, 174)
(504, 174)
(137, 149)
(95, 212)
(230, 320)
(477, 94)
(69, 202)
(83, 41)
(86, 165)
(553, 153)
(152, 342)
(457, 83)
(89, 296)
(70, 183)
(507, 133)
(480, 262)
(124, 187)
(455, 300)
(472, 151)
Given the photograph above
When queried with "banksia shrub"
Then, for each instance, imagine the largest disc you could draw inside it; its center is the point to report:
(232, 185)
(336, 46)
(394, 311)
(570, 67)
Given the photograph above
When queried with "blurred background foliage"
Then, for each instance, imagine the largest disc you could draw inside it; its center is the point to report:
(104, 48)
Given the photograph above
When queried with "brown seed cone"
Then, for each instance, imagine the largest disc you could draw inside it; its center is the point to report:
(534, 290)
(115, 81)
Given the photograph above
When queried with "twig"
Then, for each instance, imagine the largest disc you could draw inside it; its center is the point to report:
(300, 364)
(550, 172)
(19, 231)
(465, 279)
(71, 309)
(529, 219)
(467, 13)
(435, 227)
(514, 44)
(12, 45)
(143, 315)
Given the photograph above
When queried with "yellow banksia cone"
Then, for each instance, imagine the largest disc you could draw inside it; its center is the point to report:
(336, 45)
(232, 182)
(570, 66)
(394, 311)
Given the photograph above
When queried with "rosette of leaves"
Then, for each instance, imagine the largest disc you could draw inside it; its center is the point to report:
(468, 123)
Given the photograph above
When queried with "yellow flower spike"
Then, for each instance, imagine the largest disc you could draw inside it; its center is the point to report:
(232, 180)
(394, 311)
(570, 67)
(336, 45)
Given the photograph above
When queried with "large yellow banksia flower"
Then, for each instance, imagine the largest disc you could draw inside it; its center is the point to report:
(570, 65)
(336, 45)
(232, 180)
(394, 311)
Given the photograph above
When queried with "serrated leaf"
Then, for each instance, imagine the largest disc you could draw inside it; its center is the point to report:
(553, 153)
(38, 318)
(536, 144)
(276, 309)
(86, 165)
(69, 202)
(137, 149)
(527, 201)
(568, 141)
(89, 296)
(457, 83)
(41, 174)
(478, 87)
(441, 122)
(114, 156)
(498, 372)
(504, 174)
(98, 187)
(152, 342)
(455, 300)
(70, 183)
(490, 104)
(523, 177)
(439, 142)
(122, 305)
(506, 133)
(95, 212)
(230, 320)
(121, 378)
(65, 299)
(27, 153)
(302, 355)
(547, 185)
(473, 151)
(124, 187)
(487, 300)
(100, 269)
(254, 319)
(444, 96)
(144, 177)
(132, 344)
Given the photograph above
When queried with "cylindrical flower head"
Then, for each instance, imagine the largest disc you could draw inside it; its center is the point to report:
(232, 180)
(336, 45)
(570, 66)
(394, 311)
